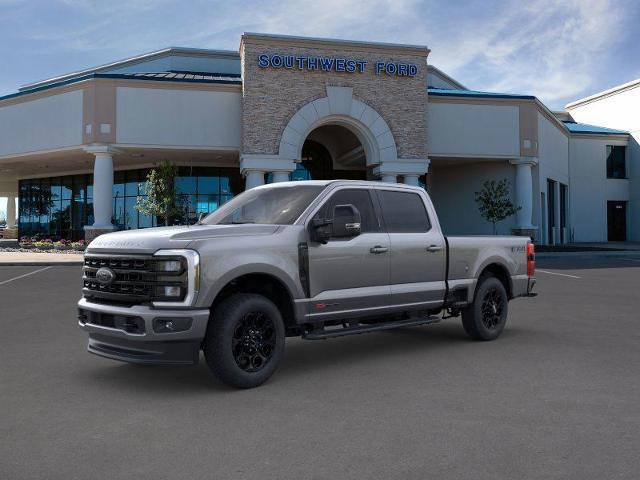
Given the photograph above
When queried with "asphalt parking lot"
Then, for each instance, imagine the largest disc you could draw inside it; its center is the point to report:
(557, 396)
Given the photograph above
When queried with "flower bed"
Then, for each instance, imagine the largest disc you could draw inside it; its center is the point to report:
(47, 244)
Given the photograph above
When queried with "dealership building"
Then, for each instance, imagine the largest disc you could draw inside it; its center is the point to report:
(76, 149)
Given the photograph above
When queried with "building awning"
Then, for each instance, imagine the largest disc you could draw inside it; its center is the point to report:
(475, 93)
(169, 76)
(585, 128)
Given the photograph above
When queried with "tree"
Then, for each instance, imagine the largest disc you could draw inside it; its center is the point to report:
(494, 202)
(161, 198)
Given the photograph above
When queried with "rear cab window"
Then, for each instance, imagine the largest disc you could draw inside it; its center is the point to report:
(404, 212)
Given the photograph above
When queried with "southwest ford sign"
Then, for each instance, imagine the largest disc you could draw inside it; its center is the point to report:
(333, 64)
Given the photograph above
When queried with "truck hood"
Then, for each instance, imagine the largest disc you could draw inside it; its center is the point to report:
(149, 240)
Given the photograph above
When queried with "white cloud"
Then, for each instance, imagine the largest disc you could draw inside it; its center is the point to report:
(547, 48)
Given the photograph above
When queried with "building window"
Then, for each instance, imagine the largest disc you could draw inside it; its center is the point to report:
(564, 201)
(616, 161)
(60, 207)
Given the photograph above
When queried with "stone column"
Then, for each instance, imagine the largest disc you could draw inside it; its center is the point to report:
(102, 191)
(11, 211)
(411, 180)
(253, 178)
(280, 176)
(524, 196)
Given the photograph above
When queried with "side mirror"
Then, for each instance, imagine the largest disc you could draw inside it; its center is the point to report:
(346, 221)
(321, 230)
(201, 217)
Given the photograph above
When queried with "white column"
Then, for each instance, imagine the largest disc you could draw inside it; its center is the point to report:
(280, 176)
(411, 180)
(253, 167)
(102, 186)
(524, 192)
(388, 178)
(409, 169)
(254, 178)
(11, 212)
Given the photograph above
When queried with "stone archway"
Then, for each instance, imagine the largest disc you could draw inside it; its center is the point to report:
(340, 108)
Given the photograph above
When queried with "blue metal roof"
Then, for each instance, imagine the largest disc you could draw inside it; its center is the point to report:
(188, 77)
(444, 92)
(575, 127)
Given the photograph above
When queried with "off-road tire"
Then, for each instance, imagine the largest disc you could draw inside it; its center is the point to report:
(485, 318)
(245, 340)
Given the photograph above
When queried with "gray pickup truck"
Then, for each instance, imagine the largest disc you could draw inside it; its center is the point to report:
(315, 259)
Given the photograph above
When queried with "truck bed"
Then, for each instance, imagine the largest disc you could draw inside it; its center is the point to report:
(468, 256)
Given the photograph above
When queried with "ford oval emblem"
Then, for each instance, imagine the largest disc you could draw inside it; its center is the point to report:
(105, 276)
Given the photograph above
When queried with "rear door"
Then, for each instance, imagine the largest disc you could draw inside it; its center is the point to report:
(418, 253)
(350, 275)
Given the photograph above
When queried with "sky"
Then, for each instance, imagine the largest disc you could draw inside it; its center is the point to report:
(557, 50)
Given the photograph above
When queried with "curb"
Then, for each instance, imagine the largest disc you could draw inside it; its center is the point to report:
(71, 263)
(608, 253)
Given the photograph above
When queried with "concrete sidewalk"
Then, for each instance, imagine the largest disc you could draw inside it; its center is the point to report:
(37, 259)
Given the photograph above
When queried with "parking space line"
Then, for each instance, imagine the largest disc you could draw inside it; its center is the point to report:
(25, 275)
(556, 273)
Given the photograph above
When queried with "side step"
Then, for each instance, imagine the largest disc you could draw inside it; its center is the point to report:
(376, 327)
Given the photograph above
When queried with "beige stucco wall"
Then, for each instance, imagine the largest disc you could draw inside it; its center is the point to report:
(178, 117)
(467, 129)
(271, 96)
(54, 121)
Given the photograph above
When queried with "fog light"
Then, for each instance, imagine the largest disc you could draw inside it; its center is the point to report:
(170, 266)
(171, 291)
(168, 325)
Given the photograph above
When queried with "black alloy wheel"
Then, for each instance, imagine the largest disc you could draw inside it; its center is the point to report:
(492, 307)
(254, 341)
(245, 339)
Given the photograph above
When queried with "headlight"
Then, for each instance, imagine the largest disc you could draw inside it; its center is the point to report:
(178, 278)
(173, 266)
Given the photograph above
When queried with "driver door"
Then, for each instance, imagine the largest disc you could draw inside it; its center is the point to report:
(350, 276)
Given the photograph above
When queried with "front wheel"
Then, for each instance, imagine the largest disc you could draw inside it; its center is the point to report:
(485, 318)
(245, 340)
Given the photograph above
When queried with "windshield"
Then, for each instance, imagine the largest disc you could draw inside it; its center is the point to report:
(272, 206)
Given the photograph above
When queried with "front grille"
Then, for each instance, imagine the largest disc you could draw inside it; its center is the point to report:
(133, 280)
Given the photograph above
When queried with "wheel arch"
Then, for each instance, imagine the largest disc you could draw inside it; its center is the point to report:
(501, 272)
(262, 283)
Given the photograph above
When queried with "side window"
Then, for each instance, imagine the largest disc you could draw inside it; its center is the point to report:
(404, 212)
(359, 198)
(616, 167)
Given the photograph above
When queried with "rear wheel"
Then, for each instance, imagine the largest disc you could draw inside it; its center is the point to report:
(245, 340)
(486, 317)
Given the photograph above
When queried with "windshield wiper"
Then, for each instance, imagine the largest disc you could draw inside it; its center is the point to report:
(236, 222)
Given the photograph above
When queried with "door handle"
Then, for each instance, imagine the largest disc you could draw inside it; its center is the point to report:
(434, 248)
(378, 249)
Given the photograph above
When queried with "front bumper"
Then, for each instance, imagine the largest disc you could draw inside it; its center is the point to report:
(127, 333)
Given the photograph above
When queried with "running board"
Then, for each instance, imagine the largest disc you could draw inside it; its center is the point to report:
(376, 327)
